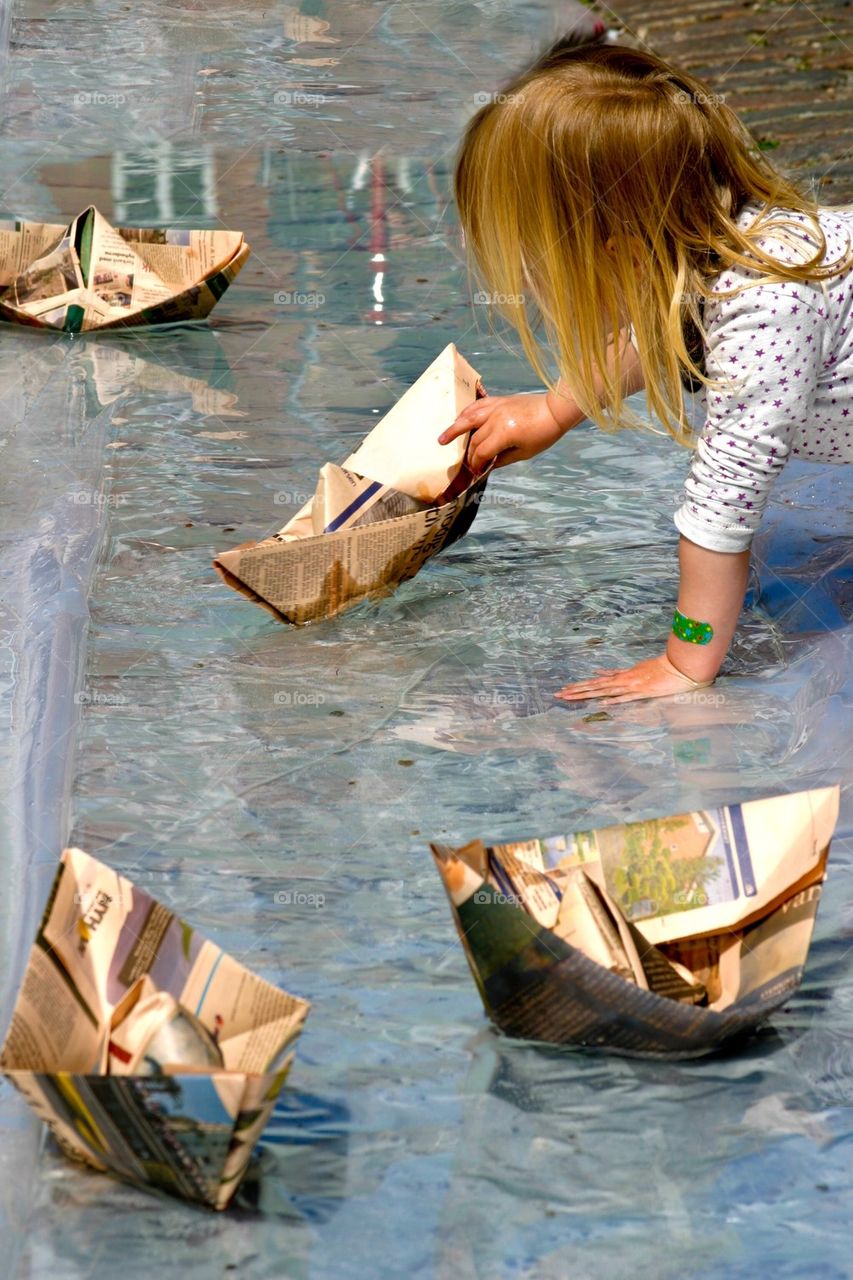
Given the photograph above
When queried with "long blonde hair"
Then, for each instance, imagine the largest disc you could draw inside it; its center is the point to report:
(599, 191)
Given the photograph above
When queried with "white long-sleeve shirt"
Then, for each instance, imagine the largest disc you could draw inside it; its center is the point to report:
(784, 354)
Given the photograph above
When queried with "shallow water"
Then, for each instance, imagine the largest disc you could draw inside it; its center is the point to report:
(222, 759)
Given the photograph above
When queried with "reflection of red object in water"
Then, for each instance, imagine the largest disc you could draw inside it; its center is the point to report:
(378, 237)
(378, 243)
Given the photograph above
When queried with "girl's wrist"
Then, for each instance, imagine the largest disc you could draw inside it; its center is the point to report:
(563, 410)
(691, 663)
(690, 682)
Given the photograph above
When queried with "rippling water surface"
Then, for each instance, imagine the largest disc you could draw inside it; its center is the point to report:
(223, 759)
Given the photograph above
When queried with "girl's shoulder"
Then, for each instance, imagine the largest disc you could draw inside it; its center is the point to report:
(789, 237)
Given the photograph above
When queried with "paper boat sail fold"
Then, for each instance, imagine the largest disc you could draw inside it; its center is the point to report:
(664, 937)
(376, 519)
(186, 1127)
(402, 450)
(90, 275)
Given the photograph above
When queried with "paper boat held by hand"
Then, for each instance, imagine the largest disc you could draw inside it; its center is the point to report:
(375, 520)
(665, 937)
(151, 1053)
(91, 275)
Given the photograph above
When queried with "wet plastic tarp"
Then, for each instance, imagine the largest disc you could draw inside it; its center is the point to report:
(280, 788)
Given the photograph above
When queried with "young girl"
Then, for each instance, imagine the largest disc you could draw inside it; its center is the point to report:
(619, 206)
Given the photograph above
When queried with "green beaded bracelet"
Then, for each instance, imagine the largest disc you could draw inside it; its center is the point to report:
(690, 630)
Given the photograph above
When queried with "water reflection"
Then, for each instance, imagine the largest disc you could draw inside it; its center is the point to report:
(689, 1142)
(301, 1171)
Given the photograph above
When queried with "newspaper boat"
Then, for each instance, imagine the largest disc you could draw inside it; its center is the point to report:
(90, 275)
(665, 937)
(376, 519)
(150, 1052)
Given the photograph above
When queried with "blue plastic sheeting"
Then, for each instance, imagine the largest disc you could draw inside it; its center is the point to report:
(51, 521)
(278, 787)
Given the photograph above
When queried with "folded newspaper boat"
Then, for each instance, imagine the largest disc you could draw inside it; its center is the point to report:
(150, 1052)
(375, 520)
(665, 937)
(91, 275)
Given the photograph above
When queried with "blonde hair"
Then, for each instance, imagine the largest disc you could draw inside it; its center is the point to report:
(599, 193)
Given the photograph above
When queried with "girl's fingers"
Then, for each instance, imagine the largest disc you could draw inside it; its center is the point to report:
(608, 684)
(494, 440)
(469, 419)
(579, 693)
(451, 433)
(476, 405)
(596, 682)
(484, 447)
(650, 679)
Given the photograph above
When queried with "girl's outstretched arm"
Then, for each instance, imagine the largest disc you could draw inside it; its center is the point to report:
(710, 598)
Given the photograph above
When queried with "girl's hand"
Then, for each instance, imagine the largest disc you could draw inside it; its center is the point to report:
(505, 429)
(654, 678)
(713, 584)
